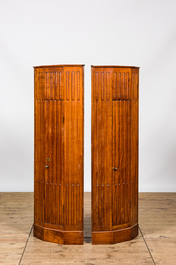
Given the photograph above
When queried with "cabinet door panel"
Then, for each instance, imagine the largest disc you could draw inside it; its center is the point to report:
(121, 162)
(54, 159)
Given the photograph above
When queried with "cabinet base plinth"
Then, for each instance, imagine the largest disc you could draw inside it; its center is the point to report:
(117, 236)
(59, 237)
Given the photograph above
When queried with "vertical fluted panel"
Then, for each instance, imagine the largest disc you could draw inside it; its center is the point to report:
(54, 148)
(121, 84)
(52, 84)
(73, 147)
(48, 146)
(121, 160)
(101, 162)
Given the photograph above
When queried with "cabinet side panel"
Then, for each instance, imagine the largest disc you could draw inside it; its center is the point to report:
(101, 149)
(134, 147)
(94, 145)
(39, 177)
(73, 148)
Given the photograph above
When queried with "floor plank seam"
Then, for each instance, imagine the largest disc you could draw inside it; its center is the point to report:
(25, 245)
(147, 247)
(159, 237)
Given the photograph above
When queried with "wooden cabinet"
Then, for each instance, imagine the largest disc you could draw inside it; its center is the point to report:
(114, 153)
(58, 158)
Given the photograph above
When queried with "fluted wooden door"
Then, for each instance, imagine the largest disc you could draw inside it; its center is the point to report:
(114, 154)
(121, 163)
(59, 120)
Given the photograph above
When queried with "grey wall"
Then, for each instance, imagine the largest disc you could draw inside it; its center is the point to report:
(140, 33)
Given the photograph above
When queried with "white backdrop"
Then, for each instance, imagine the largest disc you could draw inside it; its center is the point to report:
(140, 33)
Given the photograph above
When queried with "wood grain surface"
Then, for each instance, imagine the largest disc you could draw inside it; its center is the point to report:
(58, 158)
(114, 153)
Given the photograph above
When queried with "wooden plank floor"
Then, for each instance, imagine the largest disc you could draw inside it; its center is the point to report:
(156, 243)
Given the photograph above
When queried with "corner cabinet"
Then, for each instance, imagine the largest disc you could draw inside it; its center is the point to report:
(58, 153)
(114, 153)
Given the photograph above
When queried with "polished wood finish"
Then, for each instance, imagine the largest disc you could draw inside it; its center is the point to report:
(114, 153)
(58, 158)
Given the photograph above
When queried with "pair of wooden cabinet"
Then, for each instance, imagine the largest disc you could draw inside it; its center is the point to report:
(59, 153)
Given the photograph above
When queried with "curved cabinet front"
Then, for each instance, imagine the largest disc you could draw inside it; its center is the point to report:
(58, 153)
(114, 154)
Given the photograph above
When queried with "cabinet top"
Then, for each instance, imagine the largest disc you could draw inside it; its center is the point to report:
(113, 66)
(59, 65)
